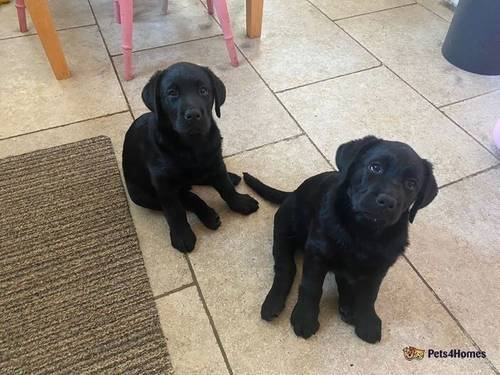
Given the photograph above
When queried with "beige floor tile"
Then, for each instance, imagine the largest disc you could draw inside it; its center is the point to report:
(251, 115)
(32, 99)
(438, 7)
(478, 116)
(408, 40)
(234, 269)
(191, 343)
(166, 267)
(348, 8)
(377, 102)
(455, 248)
(299, 45)
(66, 13)
(186, 20)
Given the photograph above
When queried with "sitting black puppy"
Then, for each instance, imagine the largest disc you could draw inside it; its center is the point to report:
(353, 222)
(177, 145)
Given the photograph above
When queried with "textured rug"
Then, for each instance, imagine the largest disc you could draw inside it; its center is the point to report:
(74, 294)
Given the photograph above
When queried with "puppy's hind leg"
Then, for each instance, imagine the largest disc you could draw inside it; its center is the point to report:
(205, 213)
(143, 198)
(284, 265)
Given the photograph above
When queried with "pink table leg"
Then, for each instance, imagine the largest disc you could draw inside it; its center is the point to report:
(127, 19)
(21, 15)
(223, 14)
(210, 5)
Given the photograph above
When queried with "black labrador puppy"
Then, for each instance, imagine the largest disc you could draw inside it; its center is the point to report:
(177, 145)
(353, 222)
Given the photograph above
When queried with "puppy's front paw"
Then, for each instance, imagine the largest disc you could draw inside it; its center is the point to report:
(244, 204)
(346, 314)
(304, 320)
(369, 329)
(211, 219)
(272, 306)
(183, 239)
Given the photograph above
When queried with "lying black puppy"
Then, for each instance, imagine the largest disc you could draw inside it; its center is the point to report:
(353, 222)
(178, 145)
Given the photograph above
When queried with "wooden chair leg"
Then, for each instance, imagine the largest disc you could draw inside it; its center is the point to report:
(255, 9)
(127, 18)
(21, 15)
(42, 19)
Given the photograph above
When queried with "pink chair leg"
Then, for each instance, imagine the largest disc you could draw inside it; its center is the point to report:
(223, 14)
(21, 15)
(210, 5)
(117, 11)
(127, 18)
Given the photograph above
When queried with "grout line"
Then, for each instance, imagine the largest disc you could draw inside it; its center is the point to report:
(63, 125)
(375, 11)
(457, 322)
(433, 12)
(284, 107)
(265, 145)
(470, 176)
(36, 34)
(210, 319)
(173, 291)
(171, 44)
(466, 99)
(111, 60)
(328, 79)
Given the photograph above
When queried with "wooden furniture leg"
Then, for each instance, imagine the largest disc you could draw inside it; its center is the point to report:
(42, 19)
(254, 17)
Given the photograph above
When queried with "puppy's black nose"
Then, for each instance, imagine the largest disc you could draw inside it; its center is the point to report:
(192, 114)
(386, 201)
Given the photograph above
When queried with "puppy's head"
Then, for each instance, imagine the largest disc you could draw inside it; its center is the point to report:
(182, 97)
(384, 180)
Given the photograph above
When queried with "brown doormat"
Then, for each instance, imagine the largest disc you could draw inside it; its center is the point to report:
(74, 294)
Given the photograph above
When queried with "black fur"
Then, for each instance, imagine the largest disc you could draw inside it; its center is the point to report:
(353, 222)
(177, 145)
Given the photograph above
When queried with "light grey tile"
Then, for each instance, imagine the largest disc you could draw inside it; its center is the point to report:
(439, 7)
(455, 248)
(31, 98)
(408, 40)
(191, 343)
(299, 45)
(348, 8)
(478, 116)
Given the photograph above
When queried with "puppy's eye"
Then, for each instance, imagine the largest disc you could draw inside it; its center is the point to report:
(376, 168)
(410, 184)
(203, 91)
(172, 93)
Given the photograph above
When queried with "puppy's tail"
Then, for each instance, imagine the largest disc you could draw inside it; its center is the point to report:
(265, 191)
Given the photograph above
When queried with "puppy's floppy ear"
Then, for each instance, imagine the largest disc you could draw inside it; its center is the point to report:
(151, 93)
(348, 152)
(219, 91)
(427, 192)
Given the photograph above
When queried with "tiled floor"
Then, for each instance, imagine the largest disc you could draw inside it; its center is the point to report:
(323, 73)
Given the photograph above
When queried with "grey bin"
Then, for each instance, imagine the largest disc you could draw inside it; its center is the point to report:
(473, 39)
